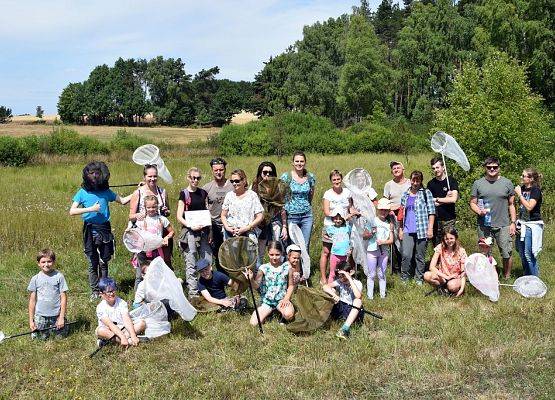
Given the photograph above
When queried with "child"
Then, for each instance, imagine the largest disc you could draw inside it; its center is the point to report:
(154, 223)
(47, 299)
(91, 202)
(484, 244)
(380, 236)
(211, 285)
(350, 292)
(447, 264)
(114, 320)
(340, 234)
(273, 278)
(294, 261)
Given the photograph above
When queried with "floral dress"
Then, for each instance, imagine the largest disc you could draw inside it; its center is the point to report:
(274, 283)
(451, 263)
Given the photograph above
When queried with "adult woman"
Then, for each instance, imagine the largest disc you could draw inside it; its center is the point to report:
(299, 204)
(447, 264)
(417, 227)
(529, 242)
(149, 187)
(193, 240)
(276, 228)
(337, 200)
(241, 210)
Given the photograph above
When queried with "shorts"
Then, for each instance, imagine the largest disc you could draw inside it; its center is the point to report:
(43, 322)
(340, 311)
(501, 236)
(325, 237)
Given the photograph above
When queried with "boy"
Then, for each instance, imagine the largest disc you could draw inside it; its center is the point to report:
(211, 285)
(47, 299)
(350, 292)
(91, 202)
(114, 320)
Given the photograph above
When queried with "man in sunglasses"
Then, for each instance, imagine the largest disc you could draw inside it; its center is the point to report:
(492, 200)
(217, 189)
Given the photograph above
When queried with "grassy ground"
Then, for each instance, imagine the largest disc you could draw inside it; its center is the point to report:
(425, 347)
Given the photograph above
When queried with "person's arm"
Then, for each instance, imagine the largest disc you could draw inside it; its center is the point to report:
(180, 211)
(356, 291)
(133, 206)
(256, 281)
(430, 232)
(451, 198)
(474, 207)
(116, 331)
(221, 302)
(284, 234)
(512, 214)
(123, 200)
(128, 323)
(433, 265)
(61, 321)
(32, 305)
(170, 234)
(329, 289)
(76, 210)
(290, 289)
(528, 204)
(223, 217)
(326, 207)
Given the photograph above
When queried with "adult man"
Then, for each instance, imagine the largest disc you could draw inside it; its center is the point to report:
(217, 189)
(492, 199)
(446, 192)
(393, 190)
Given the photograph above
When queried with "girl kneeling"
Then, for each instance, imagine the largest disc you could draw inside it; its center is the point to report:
(273, 279)
(447, 264)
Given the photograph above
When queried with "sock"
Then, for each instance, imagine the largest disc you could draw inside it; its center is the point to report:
(345, 328)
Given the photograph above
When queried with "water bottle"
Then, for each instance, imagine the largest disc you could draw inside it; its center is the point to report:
(487, 217)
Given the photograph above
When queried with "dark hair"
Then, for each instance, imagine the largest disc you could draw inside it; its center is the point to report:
(150, 166)
(454, 232)
(417, 174)
(46, 253)
(218, 161)
(242, 174)
(107, 283)
(96, 183)
(535, 175)
(436, 159)
(275, 245)
(143, 259)
(300, 153)
(491, 160)
(343, 266)
(335, 172)
(259, 178)
(394, 163)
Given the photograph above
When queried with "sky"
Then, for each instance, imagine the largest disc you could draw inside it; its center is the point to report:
(48, 44)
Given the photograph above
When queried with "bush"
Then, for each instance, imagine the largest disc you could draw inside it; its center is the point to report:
(124, 140)
(14, 152)
(64, 141)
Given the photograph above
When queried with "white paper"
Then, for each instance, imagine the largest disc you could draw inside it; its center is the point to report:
(198, 218)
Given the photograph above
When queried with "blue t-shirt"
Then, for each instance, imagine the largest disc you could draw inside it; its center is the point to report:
(410, 215)
(299, 200)
(341, 239)
(88, 199)
(48, 289)
(215, 285)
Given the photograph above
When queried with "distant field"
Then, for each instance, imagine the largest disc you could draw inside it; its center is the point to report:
(24, 126)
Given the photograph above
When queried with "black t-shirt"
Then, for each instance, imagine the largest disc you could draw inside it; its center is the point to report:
(444, 212)
(215, 285)
(535, 193)
(197, 200)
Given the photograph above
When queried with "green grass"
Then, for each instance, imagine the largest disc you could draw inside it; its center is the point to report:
(425, 347)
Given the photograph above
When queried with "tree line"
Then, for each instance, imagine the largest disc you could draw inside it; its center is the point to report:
(125, 93)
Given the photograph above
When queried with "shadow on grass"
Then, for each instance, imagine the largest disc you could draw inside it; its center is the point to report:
(184, 329)
(127, 285)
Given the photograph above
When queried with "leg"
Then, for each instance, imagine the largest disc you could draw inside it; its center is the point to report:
(217, 240)
(382, 272)
(94, 263)
(306, 229)
(264, 311)
(372, 262)
(324, 256)
(261, 251)
(505, 244)
(432, 279)
(287, 312)
(190, 256)
(353, 314)
(533, 267)
(420, 257)
(454, 285)
(407, 249)
(139, 326)
(103, 332)
(333, 264)
(396, 256)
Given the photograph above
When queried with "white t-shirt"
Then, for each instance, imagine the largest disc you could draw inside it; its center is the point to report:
(114, 313)
(393, 191)
(154, 225)
(339, 203)
(383, 229)
(241, 211)
(346, 292)
(140, 294)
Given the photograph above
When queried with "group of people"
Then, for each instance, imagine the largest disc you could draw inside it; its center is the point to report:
(396, 229)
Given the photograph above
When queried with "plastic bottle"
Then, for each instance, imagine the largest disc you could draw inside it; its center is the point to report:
(487, 217)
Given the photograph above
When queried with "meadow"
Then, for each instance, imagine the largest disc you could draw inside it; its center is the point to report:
(425, 347)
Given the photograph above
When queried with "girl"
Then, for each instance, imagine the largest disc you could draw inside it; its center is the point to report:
(529, 243)
(273, 278)
(337, 199)
(417, 207)
(340, 234)
(380, 237)
(152, 222)
(299, 204)
(194, 241)
(447, 265)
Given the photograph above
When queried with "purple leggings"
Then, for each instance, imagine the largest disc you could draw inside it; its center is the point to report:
(376, 261)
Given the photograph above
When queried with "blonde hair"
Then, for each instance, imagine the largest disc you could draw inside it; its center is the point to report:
(150, 197)
(193, 169)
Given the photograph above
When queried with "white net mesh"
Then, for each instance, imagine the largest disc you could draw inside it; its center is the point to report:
(530, 286)
(482, 275)
(137, 240)
(443, 143)
(150, 154)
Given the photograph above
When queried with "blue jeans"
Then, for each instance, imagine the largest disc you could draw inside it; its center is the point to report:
(303, 221)
(529, 262)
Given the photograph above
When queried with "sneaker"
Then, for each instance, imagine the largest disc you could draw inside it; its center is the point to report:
(419, 282)
(341, 334)
(241, 304)
(94, 297)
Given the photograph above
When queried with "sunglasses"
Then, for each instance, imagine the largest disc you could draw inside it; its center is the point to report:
(492, 167)
(235, 181)
(217, 161)
(109, 291)
(525, 176)
(195, 178)
(266, 172)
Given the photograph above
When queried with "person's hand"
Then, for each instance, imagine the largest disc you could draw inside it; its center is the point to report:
(335, 297)
(165, 241)
(60, 322)
(283, 304)
(241, 230)
(460, 292)
(346, 274)
(227, 302)
(430, 233)
(123, 341)
(248, 273)
(518, 191)
(32, 326)
(139, 217)
(512, 229)
(135, 341)
(436, 202)
(95, 207)
(367, 234)
(210, 238)
(284, 235)
(141, 184)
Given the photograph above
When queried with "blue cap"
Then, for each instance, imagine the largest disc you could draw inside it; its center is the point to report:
(201, 264)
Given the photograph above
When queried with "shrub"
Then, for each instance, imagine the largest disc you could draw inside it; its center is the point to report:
(13, 152)
(65, 141)
(124, 140)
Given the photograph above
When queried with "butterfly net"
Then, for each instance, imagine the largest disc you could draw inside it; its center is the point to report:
(530, 286)
(312, 309)
(137, 240)
(296, 236)
(482, 275)
(235, 255)
(273, 193)
(445, 144)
